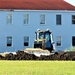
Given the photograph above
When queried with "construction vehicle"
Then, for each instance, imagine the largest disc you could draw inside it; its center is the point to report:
(44, 40)
(43, 44)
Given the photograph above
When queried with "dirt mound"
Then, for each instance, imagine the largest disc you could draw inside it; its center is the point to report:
(1, 57)
(21, 55)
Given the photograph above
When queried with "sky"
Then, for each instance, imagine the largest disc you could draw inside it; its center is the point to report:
(71, 2)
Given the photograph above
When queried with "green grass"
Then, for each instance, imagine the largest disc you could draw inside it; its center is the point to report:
(37, 68)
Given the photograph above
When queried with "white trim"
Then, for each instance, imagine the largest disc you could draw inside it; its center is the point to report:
(47, 10)
(38, 10)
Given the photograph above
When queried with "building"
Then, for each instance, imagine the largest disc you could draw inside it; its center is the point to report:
(19, 19)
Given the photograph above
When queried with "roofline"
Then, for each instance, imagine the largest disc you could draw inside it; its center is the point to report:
(38, 10)
(36, 5)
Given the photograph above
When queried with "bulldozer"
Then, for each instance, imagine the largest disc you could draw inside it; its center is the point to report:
(43, 43)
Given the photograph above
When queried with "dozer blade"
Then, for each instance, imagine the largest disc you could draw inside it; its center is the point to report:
(37, 51)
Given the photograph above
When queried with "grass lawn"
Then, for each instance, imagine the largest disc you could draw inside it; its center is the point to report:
(37, 67)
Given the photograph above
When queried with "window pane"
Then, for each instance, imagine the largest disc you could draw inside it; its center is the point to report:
(9, 19)
(26, 19)
(58, 19)
(73, 16)
(42, 19)
(73, 19)
(9, 41)
(73, 22)
(26, 38)
(58, 39)
(73, 41)
(26, 41)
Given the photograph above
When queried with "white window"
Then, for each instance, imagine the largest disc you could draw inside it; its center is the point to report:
(58, 41)
(58, 19)
(26, 19)
(73, 19)
(42, 19)
(9, 19)
(9, 41)
(26, 41)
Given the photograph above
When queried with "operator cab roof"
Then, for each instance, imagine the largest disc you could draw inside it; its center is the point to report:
(43, 31)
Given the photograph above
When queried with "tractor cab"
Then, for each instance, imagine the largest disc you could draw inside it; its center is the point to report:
(44, 40)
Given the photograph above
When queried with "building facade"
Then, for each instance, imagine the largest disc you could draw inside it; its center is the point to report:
(18, 26)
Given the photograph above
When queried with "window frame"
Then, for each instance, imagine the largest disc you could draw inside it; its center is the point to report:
(73, 19)
(9, 44)
(26, 19)
(42, 19)
(9, 18)
(73, 41)
(58, 19)
(26, 41)
(58, 41)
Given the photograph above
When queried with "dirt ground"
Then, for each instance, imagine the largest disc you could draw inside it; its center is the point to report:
(21, 55)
